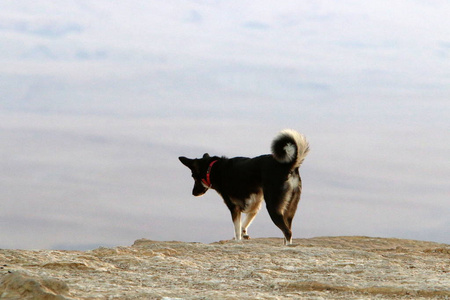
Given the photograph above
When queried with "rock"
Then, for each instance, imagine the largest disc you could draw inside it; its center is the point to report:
(18, 285)
(316, 268)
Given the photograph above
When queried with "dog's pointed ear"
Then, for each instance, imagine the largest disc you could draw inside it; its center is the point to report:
(206, 155)
(186, 161)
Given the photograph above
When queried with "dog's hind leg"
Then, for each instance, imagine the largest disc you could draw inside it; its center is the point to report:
(277, 200)
(280, 220)
(291, 208)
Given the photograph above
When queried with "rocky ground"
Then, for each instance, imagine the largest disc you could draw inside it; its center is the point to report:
(317, 268)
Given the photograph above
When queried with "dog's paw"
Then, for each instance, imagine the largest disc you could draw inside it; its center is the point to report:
(246, 237)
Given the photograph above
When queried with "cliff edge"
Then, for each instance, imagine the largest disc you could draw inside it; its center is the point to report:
(316, 268)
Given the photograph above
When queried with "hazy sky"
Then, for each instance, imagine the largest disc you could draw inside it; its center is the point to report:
(99, 98)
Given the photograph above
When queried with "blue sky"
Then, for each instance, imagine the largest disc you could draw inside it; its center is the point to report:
(98, 99)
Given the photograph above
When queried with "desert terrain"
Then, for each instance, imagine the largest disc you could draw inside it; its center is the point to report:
(315, 268)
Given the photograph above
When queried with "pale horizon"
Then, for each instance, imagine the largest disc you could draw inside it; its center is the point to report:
(98, 100)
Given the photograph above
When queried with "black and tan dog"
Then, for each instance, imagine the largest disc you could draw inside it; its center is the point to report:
(244, 182)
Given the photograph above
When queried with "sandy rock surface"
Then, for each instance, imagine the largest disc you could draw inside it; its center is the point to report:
(317, 268)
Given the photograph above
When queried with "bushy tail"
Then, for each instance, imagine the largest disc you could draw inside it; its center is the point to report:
(290, 147)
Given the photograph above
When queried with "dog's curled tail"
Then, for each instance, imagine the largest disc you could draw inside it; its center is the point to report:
(290, 147)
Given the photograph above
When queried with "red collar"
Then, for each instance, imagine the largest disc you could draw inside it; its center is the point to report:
(207, 181)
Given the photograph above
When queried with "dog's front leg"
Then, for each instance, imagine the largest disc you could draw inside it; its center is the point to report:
(236, 216)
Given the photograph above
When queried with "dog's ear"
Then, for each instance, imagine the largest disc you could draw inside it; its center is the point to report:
(186, 161)
(206, 155)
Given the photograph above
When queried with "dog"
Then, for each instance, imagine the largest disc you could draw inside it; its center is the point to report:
(244, 182)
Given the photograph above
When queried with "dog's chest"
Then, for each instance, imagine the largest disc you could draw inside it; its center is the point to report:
(250, 204)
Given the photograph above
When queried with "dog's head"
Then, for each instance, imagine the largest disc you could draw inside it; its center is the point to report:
(199, 169)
